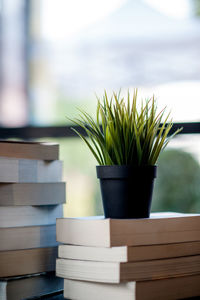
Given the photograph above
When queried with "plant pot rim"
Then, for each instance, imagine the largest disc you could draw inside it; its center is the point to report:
(125, 171)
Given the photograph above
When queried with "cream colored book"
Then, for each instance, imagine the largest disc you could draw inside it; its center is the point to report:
(30, 261)
(27, 237)
(14, 216)
(131, 253)
(29, 170)
(115, 272)
(32, 193)
(163, 289)
(30, 286)
(160, 228)
(30, 150)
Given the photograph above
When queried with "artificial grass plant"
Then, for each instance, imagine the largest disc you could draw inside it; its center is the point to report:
(124, 133)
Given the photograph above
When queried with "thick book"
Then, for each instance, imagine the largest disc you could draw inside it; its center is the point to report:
(30, 286)
(29, 170)
(32, 193)
(160, 228)
(30, 150)
(30, 261)
(131, 253)
(27, 237)
(164, 289)
(115, 272)
(14, 216)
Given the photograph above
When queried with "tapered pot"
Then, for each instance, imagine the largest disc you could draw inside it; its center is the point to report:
(126, 190)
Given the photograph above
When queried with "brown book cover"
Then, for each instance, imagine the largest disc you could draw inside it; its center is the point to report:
(27, 237)
(22, 262)
(32, 193)
(29, 150)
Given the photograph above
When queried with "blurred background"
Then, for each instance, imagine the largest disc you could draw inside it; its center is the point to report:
(54, 57)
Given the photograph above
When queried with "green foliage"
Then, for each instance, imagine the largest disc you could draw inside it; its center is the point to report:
(124, 134)
(177, 184)
(196, 7)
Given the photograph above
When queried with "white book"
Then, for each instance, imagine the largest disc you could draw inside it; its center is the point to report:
(129, 253)
(162, 289)
(115, 272)
(14, 216)
(29, 170)
(160, 228)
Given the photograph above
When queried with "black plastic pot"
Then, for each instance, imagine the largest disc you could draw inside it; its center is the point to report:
(126, 190)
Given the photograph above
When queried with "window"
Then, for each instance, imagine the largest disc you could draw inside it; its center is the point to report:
(55, 57)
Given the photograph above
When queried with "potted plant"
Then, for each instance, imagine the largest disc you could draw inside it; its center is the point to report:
(126, 140)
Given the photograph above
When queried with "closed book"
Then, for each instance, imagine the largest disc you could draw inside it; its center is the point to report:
(160, 228)
(29, 286)
(29, 170)
(30, 261)
(165, 289)
(32, 193)
(14, 216)
(30, 150)
(131, 253)
(115, 272)
(27, 237)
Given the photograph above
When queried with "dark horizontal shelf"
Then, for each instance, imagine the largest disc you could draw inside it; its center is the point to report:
(35, 132)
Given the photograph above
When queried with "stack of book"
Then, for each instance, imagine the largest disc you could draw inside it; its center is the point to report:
(147, 259)
(31, 198)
